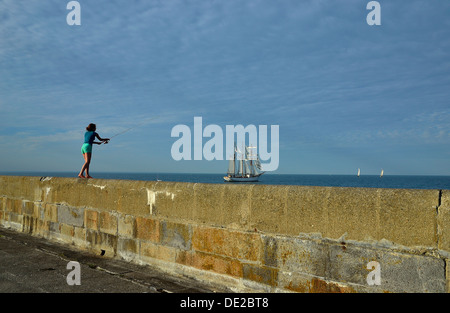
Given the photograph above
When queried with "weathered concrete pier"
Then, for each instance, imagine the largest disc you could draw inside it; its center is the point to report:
(246, 237)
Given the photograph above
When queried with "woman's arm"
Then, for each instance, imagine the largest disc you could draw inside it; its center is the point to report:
(101, 139)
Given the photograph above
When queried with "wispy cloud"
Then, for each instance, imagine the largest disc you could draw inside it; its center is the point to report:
(314, 68)
(28, 141)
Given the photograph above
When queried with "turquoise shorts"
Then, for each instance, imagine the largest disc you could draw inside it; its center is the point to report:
(86, 148)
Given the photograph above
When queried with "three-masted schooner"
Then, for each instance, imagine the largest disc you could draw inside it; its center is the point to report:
(244, 166)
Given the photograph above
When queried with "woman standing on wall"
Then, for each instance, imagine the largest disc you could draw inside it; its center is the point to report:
(86, 148)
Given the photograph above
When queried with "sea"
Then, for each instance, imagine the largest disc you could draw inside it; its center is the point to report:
(366, 181)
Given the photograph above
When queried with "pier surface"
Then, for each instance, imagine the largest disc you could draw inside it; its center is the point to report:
(30, 264)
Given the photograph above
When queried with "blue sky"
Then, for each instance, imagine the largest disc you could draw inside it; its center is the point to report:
(345, 95)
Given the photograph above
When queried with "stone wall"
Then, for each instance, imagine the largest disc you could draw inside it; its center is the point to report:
(247, 237)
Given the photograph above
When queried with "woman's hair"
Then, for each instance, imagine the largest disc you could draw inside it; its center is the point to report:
(91, 127)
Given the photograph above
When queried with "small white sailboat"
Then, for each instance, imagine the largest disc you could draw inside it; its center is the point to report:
(359, 172)
(382, 172)
(248, 167)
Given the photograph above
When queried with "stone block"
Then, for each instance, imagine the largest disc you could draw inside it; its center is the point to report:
(79, 236)
(318, 285)
(399, 272)
(46, 191)
(108, 223)
(126, 226)
(269, 208)
(305, 283)
(127, 246)
(122, 196)
(71, 191)
(157, 251)
(67, 232)
(3, 203)
(29, 224)
(296, 255)
(363, 214)
(13, 205)
(353, 213)
(445, 199)
(443, 222)
(408, 217)
(3, 213)
(101, 243)
(8, 205)
(17, 187)
(208, 204)
(210, 262)
(99, 194)
(261, 274)
(129, 197)
(17, 206)
(447, 274)
(70, 216)
(270, 251)
(346, 264)
(37, 210)
(235, 207)
(42, 228)
(27, 207)
(15, 221)
(147, 229)
(54, 227)
(91, 219)
(171, 200)
(175, 235)
(306, 210)
(49, 212)
(230, 243)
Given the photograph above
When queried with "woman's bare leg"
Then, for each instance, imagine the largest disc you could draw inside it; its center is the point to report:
(87, 161)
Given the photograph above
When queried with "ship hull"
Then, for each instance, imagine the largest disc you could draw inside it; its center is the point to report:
(241, 179)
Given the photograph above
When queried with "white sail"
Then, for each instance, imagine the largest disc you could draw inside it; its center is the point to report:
(232, 163)
(241, 168)
(382, 172)
(231, 167)
(248, 167)
(359, 172)
(258, 164)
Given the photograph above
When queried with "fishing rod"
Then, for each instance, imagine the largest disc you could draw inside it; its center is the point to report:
(128, 129)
